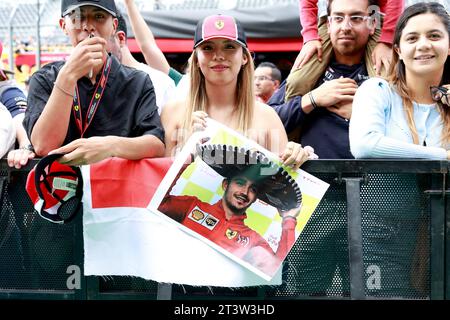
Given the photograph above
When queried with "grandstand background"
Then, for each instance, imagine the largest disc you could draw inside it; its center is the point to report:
(19, 20)
(22, 16)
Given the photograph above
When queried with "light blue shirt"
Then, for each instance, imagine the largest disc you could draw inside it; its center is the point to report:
(379, 129)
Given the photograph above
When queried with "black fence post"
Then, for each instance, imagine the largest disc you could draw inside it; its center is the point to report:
(164, 291)
(81, 293)
(437, 245)
(355, 252)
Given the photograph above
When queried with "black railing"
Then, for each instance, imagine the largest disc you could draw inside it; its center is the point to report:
(380, 232)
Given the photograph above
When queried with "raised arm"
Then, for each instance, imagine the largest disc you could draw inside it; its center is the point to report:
(287, 238)
(145, 39)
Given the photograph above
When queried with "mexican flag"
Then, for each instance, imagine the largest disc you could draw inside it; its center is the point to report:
(124, 238)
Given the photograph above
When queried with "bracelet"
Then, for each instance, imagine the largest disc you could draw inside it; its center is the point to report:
(313, 102)
(28, 147)
(62, 90)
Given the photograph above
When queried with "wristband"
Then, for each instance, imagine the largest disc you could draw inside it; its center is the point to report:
(28, 147)
(313, 102)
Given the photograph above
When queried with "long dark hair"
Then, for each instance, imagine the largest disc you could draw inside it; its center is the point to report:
(397, 74)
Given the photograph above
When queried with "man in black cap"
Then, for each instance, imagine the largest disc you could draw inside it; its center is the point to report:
(247, 176)
(91, 105)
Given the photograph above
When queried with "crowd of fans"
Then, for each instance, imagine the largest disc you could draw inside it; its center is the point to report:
(366, 84)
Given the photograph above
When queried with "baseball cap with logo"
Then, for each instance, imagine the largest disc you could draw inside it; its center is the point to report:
(68, 6)
(55, 189)
(219, 26)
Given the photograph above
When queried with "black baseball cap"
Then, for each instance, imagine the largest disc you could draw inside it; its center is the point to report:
(68, 6)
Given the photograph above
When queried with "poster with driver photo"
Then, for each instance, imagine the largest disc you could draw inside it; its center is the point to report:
(237, 197)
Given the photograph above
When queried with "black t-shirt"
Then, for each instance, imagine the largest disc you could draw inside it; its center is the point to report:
(127, 107)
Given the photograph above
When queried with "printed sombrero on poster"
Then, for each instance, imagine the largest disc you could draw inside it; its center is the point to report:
(275, 185)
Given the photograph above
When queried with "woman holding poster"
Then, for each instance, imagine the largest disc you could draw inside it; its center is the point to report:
(221, 75)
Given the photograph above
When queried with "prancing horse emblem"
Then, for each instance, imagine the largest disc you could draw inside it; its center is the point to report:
(219, 24)
(231, 234)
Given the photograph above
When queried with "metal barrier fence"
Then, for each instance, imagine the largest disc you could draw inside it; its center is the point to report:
(380, 232)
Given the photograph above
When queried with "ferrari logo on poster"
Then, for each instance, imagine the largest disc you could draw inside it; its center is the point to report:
(230, 234)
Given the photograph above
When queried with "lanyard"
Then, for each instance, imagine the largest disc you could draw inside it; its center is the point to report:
(95, 101)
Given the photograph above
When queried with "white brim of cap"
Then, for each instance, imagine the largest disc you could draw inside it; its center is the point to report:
(73, 7)
(221, 37)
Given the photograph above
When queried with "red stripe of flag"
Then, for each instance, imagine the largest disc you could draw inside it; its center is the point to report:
(126, 183)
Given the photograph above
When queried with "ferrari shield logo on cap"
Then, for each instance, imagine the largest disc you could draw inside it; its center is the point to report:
(219, 24)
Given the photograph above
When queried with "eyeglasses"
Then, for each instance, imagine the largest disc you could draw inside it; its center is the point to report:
(262, 78)
(354, 21)
(438, 93)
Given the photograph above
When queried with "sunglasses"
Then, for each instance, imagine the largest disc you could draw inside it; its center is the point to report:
(438, 94)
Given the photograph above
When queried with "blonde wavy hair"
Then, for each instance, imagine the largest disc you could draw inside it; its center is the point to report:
(198, 97)
(398, 74)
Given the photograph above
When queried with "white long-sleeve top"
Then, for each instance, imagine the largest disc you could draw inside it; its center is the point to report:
(7, 131)
(379, 129)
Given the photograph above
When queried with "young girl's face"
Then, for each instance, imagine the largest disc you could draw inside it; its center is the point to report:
(220, 60)
(424, 45)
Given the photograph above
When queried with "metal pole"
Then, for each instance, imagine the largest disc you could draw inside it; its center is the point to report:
(437, 199)
(353, 186)
(38, 37)
(10, 35)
